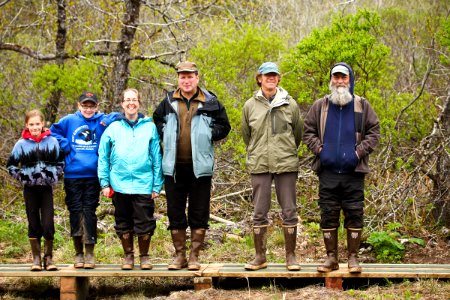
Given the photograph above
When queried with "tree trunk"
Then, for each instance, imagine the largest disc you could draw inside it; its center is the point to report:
(122, 53)
(52, 106)
(441, 188)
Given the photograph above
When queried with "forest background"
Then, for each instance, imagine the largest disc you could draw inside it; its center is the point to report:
(51, 51)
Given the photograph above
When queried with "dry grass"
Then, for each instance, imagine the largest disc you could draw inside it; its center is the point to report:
(182, 288)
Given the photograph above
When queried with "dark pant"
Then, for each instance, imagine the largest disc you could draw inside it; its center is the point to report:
(134, 213)
(82, 199)
(185, 187)
(286, 196)
(341, 191)
(39, 208)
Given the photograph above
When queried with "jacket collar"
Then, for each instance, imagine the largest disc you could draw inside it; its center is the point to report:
(279, 100)
(200, 95)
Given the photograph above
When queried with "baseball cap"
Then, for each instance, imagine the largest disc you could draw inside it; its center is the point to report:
(268, 67)
(340, 69)
(186, 66)
(88, 96)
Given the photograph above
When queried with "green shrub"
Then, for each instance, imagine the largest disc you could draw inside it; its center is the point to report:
(387, 245)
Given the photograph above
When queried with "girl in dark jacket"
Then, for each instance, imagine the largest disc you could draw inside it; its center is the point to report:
(36, 161)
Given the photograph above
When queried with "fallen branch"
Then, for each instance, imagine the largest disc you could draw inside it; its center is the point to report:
(232, 194)
(218, 219)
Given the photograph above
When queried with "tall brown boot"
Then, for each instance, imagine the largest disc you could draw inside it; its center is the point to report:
(48, 256)
(353, 241)
(89, 259)
(79, 255)
(197, 238)
(260, 240)
(128, 248)
(179, 243)
(290, 241)
(36, 252)
(330, 238)
(144, 245)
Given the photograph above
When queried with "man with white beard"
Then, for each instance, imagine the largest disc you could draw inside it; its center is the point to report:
(341, 129)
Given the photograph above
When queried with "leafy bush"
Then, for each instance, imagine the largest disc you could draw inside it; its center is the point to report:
(388, 244)
(14, 239)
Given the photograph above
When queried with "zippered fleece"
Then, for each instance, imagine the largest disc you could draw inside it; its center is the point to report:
(366, 140)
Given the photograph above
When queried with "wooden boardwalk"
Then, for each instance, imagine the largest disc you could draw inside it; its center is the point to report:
(74, 283)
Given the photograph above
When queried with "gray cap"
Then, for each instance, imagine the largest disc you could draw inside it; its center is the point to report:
(340, 69)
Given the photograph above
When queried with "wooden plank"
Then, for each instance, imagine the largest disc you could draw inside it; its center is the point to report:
(309, 270)
(236, 270)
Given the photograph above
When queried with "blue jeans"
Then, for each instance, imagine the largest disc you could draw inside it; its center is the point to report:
(82, 200)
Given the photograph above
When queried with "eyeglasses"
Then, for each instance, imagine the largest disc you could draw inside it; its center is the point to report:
(130, 100)
(87, 107)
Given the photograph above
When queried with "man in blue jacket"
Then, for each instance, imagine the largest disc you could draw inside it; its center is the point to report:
(188, 121)
(341, 129)
(79, 135)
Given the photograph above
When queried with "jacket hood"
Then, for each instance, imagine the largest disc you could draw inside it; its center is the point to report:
(121, 116)
(352, 76)
(26, 134)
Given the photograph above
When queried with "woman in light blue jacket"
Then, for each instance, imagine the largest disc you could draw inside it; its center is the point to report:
(129, 167)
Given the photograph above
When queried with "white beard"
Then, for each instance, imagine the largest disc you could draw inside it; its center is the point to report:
(340, 95)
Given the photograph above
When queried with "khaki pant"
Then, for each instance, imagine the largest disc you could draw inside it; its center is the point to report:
(286, 196)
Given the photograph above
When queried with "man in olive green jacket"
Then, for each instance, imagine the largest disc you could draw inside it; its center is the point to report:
(272, 132)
